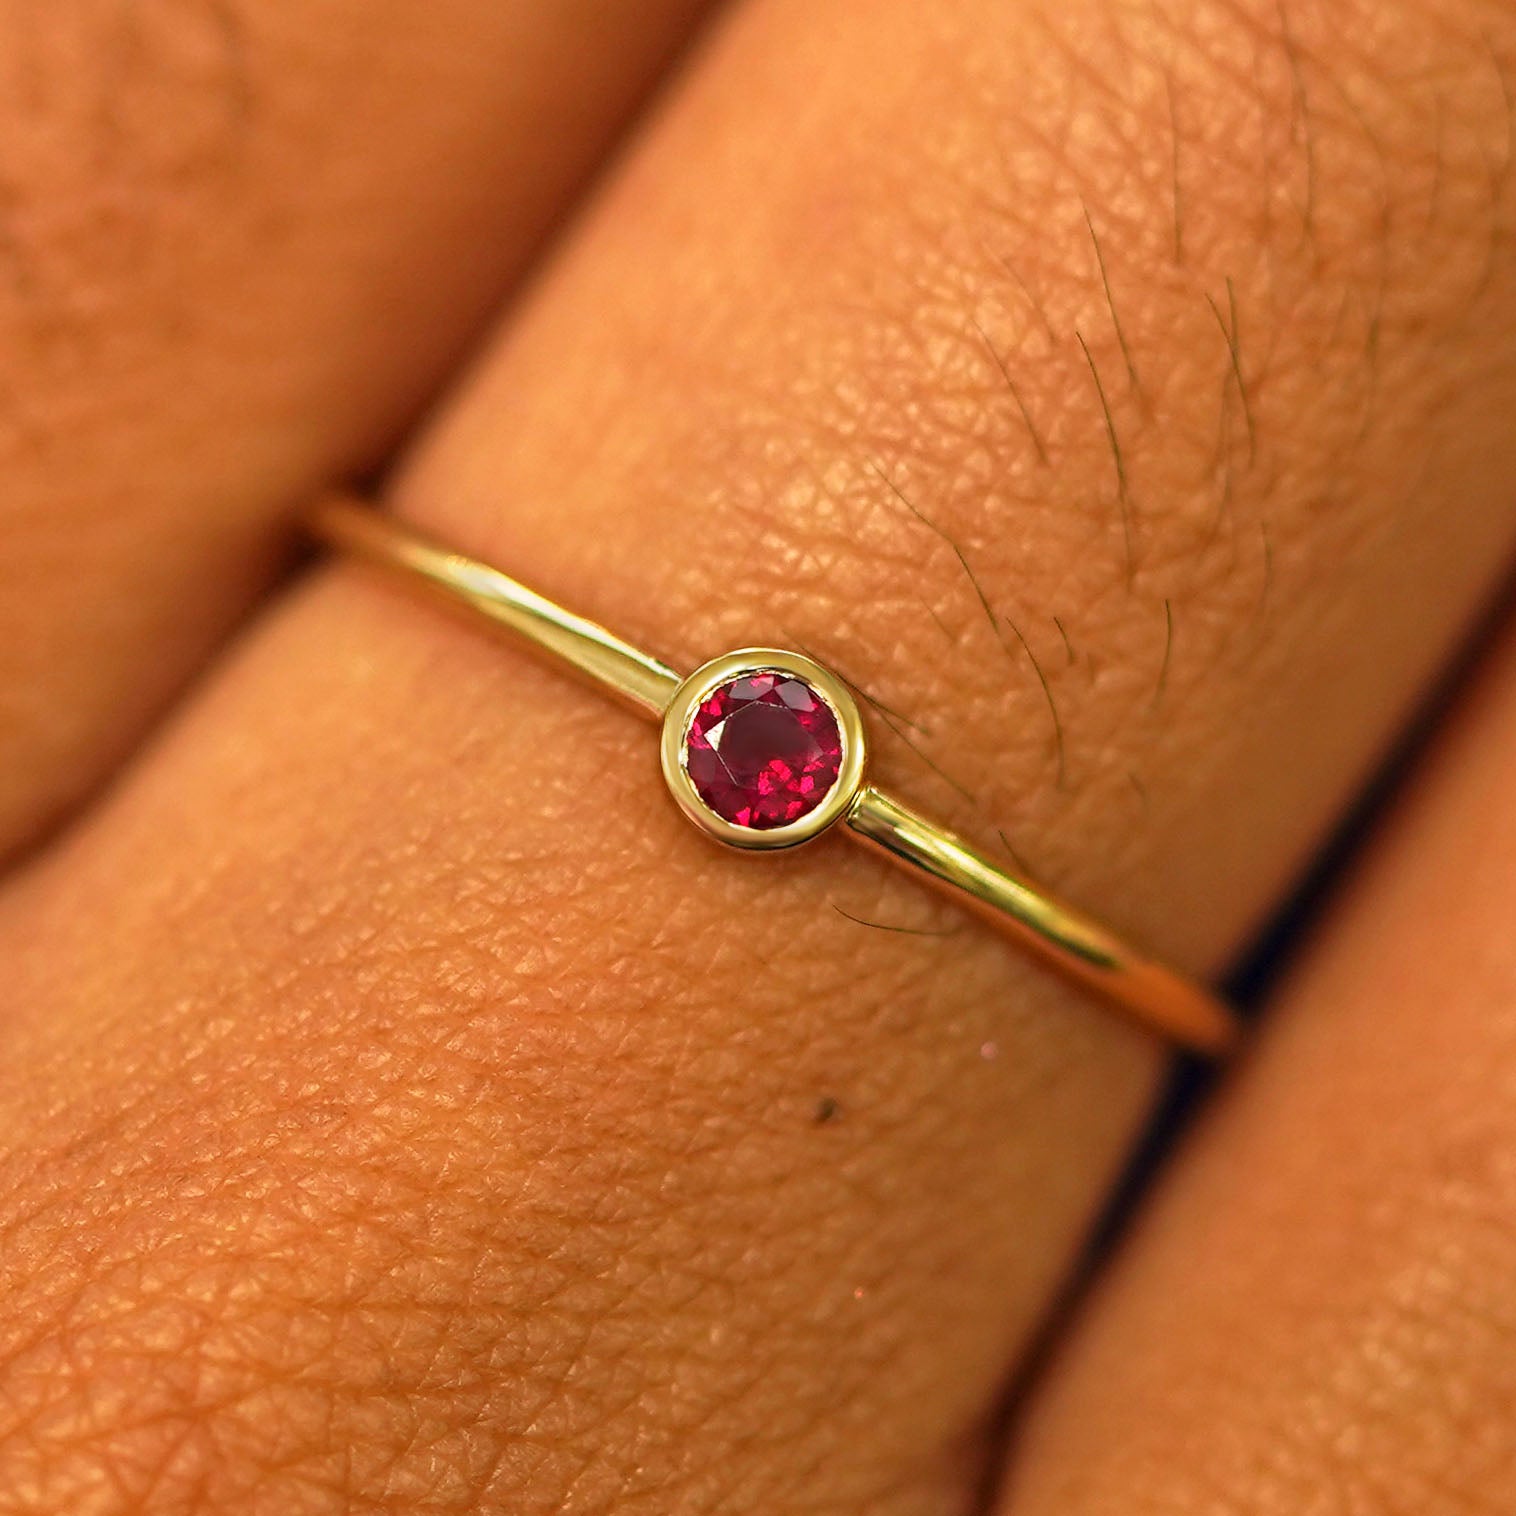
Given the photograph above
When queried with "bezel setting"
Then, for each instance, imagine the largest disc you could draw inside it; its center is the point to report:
(678, 719)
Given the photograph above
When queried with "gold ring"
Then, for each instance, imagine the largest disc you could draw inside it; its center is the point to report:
(764, 748)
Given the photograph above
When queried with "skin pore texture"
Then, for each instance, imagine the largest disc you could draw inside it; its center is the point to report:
(401, 1109)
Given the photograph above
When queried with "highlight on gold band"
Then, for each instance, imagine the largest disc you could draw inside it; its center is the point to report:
(764, 748)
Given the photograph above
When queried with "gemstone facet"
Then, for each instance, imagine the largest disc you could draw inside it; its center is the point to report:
(763, 749)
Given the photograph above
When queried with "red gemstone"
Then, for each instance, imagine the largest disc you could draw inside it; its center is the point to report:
(763, 750)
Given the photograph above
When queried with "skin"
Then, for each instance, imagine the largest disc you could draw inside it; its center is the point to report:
(1332, 1337)
(1124, 395)
(240, 246)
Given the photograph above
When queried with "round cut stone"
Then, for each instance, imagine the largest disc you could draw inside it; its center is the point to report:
(763, 750)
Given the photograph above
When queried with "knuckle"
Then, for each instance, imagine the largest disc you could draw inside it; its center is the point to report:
(1153, 363)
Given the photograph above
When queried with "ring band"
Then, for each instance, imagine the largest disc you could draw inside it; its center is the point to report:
(764, 748)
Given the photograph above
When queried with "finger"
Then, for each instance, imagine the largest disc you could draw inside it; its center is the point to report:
(1318, 1309)
(534, 1081)
(239, 245)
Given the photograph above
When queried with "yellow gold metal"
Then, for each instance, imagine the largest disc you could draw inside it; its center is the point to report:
(753, 660)
(1075, 943)
(1080, 947)
(600, 656)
